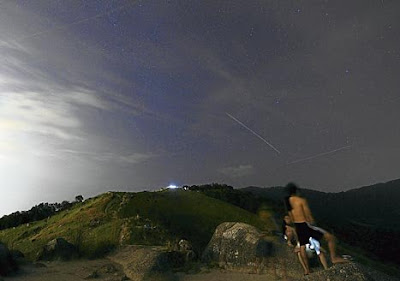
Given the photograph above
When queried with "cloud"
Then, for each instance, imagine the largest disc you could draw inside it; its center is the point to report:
(237, 171)
(51, 102)
(121, 158)
(115, 157)
(88, 98)
(135, 158)
(42, 114)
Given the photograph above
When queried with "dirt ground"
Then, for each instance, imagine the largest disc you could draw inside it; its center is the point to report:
(106, 270)
(101, 269)
(223, 275)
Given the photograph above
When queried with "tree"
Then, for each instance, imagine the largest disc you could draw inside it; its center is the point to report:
(65, 205)
(79, 198)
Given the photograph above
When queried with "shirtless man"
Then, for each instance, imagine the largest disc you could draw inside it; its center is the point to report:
(301, 216)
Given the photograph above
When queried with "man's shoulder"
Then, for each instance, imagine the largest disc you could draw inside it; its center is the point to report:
(296, 198)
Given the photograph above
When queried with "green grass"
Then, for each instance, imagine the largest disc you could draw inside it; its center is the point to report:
(73, 225)
(151, 218)
(187, 214)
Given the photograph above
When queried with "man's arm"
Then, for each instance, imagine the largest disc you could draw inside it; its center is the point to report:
(307, 212)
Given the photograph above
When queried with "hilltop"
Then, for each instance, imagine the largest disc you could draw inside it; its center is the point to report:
(100, 224)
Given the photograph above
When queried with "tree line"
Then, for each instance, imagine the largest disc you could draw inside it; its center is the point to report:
(240, 198)
(36, 213)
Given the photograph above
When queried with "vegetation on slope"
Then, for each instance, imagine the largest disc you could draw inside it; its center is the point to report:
(36, 213)
(153, 218)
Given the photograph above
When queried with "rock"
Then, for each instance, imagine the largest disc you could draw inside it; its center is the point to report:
(236, 245)
(125, 233)
(145, 262)
(242, 247)
(94, 223)
(92, 275)
(7, 263)
(58, 249)
(108, 268)
(17, 256)
(349, 272)
(185, 247)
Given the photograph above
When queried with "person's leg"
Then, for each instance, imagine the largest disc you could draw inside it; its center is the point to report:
(322, 259)
(297, 252)
(332, 248)
(303, 256)
(302, 263)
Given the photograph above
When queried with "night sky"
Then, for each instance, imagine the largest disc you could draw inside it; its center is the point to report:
(136, 95)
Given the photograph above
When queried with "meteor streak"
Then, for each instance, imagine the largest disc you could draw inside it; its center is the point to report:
(319, 155)
(254, 133)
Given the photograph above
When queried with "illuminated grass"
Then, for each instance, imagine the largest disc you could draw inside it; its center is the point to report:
(149, 218)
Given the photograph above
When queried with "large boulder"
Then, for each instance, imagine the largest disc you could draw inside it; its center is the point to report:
(239, 246)
(58, 249)
(7, 263)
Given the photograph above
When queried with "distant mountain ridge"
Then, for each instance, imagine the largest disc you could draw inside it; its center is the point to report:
(375, 205)
(367, 217)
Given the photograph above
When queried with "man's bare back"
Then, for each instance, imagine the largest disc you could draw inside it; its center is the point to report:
(300, 211)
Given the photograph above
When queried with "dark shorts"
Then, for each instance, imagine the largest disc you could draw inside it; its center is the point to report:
(305, 231)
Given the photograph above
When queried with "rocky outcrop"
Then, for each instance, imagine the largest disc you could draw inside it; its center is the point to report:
(146, 262)
(349, 272)
(237, 244)
(7, 263)
(242, 247)
(58, 249)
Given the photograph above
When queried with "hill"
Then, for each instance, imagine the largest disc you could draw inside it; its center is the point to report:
(100, 224)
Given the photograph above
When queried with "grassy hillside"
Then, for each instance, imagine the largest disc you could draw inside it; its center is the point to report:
(154, 218)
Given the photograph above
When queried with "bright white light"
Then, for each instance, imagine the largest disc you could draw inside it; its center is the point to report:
(172, 186)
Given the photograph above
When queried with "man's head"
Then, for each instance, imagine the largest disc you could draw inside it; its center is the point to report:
(287, 219)
(291, 188)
